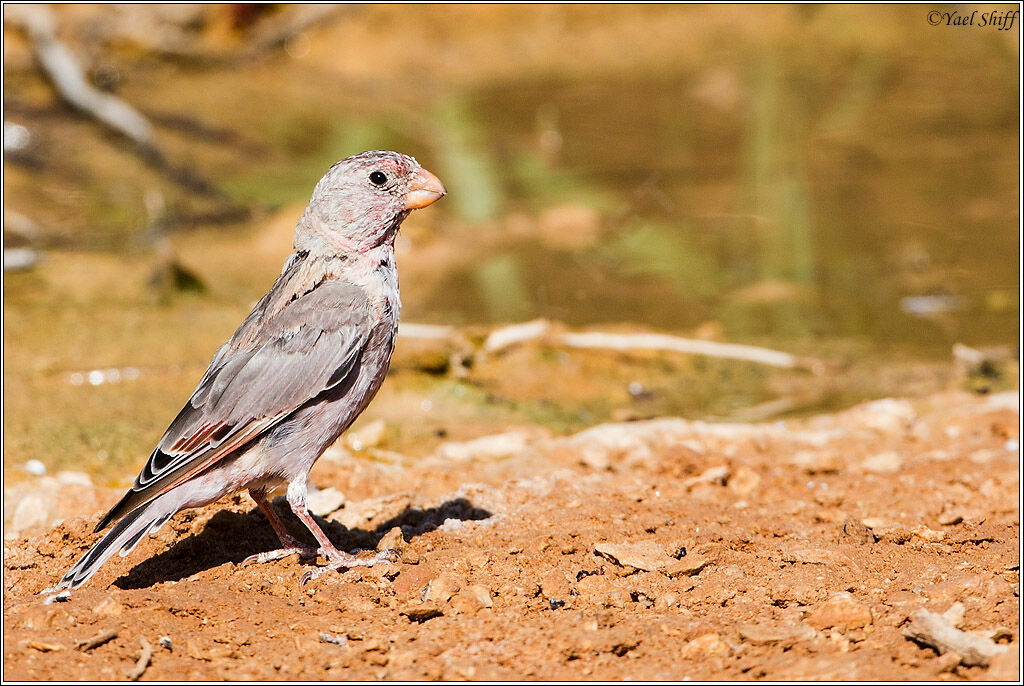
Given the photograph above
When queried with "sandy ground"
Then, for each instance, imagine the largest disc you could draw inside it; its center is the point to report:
(662, 549)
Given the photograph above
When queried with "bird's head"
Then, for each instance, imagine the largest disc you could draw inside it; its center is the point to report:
(360, 202)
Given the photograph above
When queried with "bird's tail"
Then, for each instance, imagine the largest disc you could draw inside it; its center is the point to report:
(124, 536)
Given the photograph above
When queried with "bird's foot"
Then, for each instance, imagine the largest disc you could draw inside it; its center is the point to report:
(347, 561)
(304, 552)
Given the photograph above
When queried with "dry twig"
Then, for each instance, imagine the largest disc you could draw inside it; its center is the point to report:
(140, 667)
(938, 632)
(543, 330)
(97, 640)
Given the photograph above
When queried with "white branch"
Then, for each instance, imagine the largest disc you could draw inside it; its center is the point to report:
(548, 333)
(64, 70)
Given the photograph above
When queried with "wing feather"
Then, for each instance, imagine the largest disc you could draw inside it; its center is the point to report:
(256, 381)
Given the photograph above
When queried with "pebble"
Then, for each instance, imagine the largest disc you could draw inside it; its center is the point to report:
(950, 517)
(1005, 667)
(841, 611)
(647, 556)
(497, 447)
(481, 594)
(333, 638)
(472, 599)
(947, 662)
(926, 534)
(883, 463)
(856, 532)
(441, 589)
(108, 607)
(31, 511)
(325, 502)
(687, 566)
(555, 584)
(887, 415)
(759, 634)
(369, 436)
(816, 462)
(713, 475)
(394, 540)
(705, 645)
(421, 613)
(35, 467)
(743, 481)
(412, 578)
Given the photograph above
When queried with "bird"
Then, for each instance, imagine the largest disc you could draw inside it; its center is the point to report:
(294, 375)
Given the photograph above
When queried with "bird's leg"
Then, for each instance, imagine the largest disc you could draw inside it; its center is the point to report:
(336, 558)
(289, 545)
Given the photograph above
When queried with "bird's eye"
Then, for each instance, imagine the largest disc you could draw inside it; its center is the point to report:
(378, 178)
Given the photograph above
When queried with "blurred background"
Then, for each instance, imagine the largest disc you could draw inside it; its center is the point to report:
(838, 183)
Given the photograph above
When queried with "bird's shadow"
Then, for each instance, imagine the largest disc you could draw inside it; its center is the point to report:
(233, 536)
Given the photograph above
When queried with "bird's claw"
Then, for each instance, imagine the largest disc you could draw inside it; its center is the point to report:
(271, 555)
(348, 561)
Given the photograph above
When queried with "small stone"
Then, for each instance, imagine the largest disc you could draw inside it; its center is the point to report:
(689, 565)
(497, 447)
(481, 594)
(817, 462)
(325, 502)
(743, 481)
(930, 535)
(947, 662)
(369, 436)
(814, 556)
(31, 511)
(471, 599)
(421, 613)
(713, 475)
(392, 540)
(617, 597)
(758, 634)
(647, 556)
(856, 532)
(165, 642)
(886, 416)
(412, 578)
(710, 644)
(108, 608)
(841, 611)
(950, 517)
(883, 463)
(441, 589)
(555, 584)
(335, 639)
(1005, 667)
(35, 468)
(668, 600)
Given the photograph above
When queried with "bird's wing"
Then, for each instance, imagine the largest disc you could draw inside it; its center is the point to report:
(307, 348)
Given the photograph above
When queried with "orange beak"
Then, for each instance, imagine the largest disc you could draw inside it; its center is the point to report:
(425, 189)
